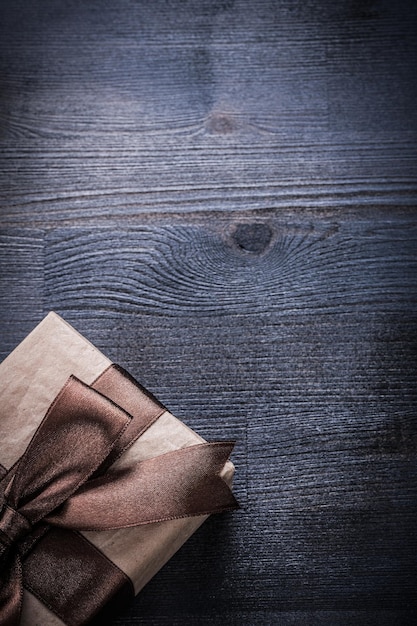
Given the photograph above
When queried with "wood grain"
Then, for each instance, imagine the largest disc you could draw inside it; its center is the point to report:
(21, 285)
(297, 338)
(204, 106)
(221, 195)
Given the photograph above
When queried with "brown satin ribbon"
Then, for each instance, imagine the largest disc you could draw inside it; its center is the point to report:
(65, 482)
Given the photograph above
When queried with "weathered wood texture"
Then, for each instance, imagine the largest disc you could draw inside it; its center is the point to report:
(221, 196)
(131, 107)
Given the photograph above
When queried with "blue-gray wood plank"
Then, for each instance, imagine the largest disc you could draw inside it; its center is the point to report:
(221, 195)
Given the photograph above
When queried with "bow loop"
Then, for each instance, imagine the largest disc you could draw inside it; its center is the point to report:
(76, 435)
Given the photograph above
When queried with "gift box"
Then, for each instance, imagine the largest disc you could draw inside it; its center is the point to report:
(99, 483)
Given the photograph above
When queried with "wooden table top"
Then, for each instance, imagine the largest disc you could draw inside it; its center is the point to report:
(221, 195)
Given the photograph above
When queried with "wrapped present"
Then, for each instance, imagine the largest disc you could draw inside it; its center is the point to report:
(99, 483)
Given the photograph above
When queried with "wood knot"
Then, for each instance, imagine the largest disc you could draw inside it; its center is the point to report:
(221, 124)
(363, 10)
(253, 238)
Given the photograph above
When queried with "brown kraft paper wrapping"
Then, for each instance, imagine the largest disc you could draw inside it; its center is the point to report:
(30, 378)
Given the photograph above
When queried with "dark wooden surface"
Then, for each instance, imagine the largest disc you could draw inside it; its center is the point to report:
(221, 195)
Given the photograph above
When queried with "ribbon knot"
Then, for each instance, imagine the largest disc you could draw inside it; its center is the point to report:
(66, 479)
(13, 526)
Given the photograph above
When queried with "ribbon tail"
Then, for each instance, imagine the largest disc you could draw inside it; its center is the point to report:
(181, 483)
(11, 593)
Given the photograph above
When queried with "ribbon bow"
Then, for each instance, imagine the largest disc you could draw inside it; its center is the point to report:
(67, 481)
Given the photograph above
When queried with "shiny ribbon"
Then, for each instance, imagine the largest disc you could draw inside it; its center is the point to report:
(66, 481)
